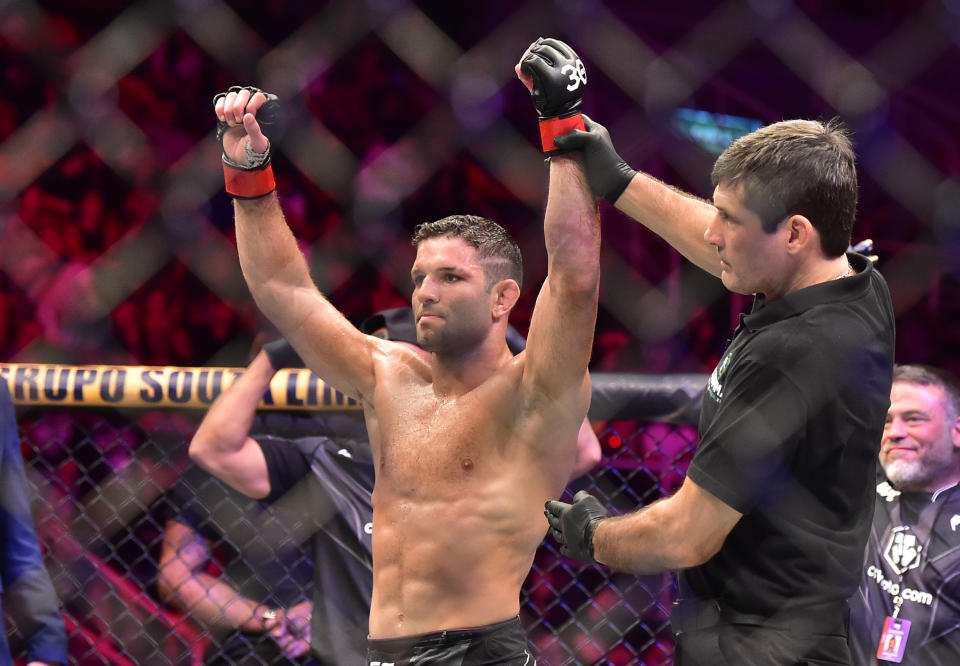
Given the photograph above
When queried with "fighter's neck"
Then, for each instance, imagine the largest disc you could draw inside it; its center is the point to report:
(456, 375)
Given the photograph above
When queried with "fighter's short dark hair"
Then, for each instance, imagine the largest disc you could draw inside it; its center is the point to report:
(498, 252)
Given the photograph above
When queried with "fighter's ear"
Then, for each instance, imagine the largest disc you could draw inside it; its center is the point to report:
(504, 296)
(955, 432)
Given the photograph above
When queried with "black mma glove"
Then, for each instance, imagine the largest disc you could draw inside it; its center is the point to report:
(282, 355)
(559, 79)
(573, 525)
(254, 178)
(607, 173)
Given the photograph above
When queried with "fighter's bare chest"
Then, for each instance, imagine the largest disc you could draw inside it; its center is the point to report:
(442, 439)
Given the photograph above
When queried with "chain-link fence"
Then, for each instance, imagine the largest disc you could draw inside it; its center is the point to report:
(110, 481)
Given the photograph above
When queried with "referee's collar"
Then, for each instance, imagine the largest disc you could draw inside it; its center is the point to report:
(831, 291)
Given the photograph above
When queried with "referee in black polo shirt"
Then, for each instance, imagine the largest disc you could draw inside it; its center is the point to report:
(769, 527)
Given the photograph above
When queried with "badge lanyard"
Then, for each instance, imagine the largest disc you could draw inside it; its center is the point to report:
(893, 638)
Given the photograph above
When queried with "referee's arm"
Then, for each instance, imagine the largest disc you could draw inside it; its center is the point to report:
(678, 532)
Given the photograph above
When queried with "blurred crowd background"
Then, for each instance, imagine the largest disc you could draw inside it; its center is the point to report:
(117, 243)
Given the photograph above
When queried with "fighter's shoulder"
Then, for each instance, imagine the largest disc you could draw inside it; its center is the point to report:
(398, 360)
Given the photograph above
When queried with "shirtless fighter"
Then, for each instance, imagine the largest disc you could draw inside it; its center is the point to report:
(470, 442)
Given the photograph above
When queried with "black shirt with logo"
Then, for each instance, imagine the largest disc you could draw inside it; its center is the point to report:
(789, 434)
(323, 487)
(913, 553)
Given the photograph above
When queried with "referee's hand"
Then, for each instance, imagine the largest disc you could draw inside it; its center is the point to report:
(573, 525)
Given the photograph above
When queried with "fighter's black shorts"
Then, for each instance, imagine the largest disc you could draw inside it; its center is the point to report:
(495, 644)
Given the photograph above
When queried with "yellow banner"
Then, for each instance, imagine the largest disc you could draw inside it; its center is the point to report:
(158, 386)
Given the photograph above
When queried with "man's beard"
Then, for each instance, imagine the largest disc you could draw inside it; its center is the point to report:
(449, 340)
(914, 474)
(430, 340)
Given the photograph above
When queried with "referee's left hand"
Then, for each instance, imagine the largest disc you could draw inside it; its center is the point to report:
(573, 525)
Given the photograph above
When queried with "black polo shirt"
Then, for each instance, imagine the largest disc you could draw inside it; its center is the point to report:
(789, 434)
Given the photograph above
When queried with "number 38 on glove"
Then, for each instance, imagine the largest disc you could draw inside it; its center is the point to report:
(559, 79)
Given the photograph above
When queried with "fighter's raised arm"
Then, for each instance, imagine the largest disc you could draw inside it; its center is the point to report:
(676, 216)
(564, 318)
(274, 268)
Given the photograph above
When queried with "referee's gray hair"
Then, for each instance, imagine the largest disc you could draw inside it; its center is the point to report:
(928, 375)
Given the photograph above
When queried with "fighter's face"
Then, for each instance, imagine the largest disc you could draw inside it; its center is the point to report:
(450, 304)
(919, 450)
(751, 260)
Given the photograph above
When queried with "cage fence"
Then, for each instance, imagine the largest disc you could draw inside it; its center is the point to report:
(107, 483)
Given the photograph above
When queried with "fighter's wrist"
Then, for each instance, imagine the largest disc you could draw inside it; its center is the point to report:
(554, 126)
(248, 183)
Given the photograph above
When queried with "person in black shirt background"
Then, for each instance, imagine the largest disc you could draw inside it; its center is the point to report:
(292, 517)
(912, 568)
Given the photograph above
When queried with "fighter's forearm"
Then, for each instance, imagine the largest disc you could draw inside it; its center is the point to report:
(571, 227)
(676, 216)
(272, 263)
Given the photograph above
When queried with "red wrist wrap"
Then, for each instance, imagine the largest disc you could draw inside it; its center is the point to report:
(249, 184)
(552, 127)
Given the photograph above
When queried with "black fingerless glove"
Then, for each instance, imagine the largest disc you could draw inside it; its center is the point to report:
(254, 178)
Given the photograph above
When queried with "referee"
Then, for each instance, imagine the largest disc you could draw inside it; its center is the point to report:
(768, 529)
